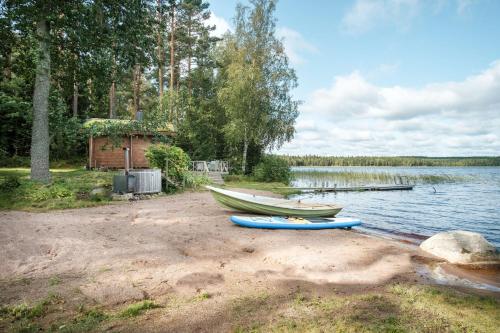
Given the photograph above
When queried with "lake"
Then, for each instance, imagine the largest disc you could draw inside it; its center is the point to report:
(444, 198)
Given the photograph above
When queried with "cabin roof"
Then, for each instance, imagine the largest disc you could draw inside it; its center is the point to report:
(105, 127)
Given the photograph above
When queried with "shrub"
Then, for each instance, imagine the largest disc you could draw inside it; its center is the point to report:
(10, 183)
(48, 192)
(195, 181)
(178, 160)
(272, 169)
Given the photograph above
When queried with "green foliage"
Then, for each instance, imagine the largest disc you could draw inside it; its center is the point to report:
(49, 192)
(178, 160)
(194, 181)
(66, 139)
(70, 188)
(24, 311)
(256, 82)
(97, 45)
(240, 181)
(272, 169)
(15, 124)
(85, 323)
(10, 183)
(346, 177)
(136, 309)
(314, 160)
(15, 161)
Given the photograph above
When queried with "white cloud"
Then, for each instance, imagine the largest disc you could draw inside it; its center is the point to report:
(354, 116)
(365, 15)
(221, 25)
(463, 5)
(295, 45)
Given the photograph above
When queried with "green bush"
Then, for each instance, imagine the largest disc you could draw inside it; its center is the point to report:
(178, 160)
(10, 183)
(15, 162)
(272, 169)
(49, 192)
(195, 181)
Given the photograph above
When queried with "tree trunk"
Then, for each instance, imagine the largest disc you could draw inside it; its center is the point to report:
(112, 89)
(172, 61)
(112, 101)
(189, 56)
(75, 99)
(75, 90)
(7, 70)
(245, 150)
(137, 89)
(40, 141)
(160, 55)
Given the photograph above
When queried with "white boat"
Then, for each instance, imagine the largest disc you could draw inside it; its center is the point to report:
(272, 206)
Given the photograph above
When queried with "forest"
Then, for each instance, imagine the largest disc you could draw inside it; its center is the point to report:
(408, 161)
(64, 62)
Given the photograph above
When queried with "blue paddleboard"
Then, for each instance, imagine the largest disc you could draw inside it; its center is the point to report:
(278, 222)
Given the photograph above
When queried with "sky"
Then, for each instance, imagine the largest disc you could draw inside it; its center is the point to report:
(390, 77)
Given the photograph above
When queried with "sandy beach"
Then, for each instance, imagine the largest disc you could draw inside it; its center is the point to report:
(178, 247)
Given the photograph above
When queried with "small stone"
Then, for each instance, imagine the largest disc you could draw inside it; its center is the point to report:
(248, 249)
(99, 192)
(122, 197)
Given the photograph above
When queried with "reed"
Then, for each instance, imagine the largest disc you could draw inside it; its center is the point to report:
(314, 160)
(343, 177)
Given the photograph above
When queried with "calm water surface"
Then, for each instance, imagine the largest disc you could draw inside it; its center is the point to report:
(444, 198)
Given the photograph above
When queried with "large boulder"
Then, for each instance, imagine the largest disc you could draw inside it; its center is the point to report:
(461, 247)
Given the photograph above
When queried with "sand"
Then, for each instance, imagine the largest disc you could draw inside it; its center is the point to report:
(183, 245)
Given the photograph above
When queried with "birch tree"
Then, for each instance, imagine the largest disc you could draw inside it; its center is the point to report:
(256, 90)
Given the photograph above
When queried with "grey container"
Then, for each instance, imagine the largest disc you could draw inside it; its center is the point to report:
(147, 180)
(123, 183)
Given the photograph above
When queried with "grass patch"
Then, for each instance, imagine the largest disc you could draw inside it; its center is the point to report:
(249, 183)
(251, 304)
(401, 308)
(136, 309)
(33, 318)
(89, 321)
(201, 297)
(69, 188)
(398, 308)
(25, 311)
(54, 281)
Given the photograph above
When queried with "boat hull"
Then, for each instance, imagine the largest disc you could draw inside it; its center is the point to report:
(263, 222)
(259, 208)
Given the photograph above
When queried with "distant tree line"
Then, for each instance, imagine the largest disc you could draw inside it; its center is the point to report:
(67, 61)
(314, 160)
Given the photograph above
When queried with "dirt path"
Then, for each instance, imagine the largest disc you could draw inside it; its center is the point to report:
(179, 247)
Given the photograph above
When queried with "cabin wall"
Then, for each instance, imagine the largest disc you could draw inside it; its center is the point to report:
(103, 154)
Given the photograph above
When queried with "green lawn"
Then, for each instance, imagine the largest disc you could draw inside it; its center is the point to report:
(396, 308)
(69, 188)
(400, 308)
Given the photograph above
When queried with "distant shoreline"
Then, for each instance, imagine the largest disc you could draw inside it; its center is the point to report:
(404, 161)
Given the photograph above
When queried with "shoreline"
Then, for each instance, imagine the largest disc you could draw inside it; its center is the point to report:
(183, 247)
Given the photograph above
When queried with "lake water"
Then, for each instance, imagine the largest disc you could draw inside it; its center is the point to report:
(444, 198)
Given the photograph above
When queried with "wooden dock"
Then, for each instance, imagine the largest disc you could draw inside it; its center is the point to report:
(353, 188)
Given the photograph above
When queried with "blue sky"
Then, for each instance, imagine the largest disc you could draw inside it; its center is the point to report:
(391, 77)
